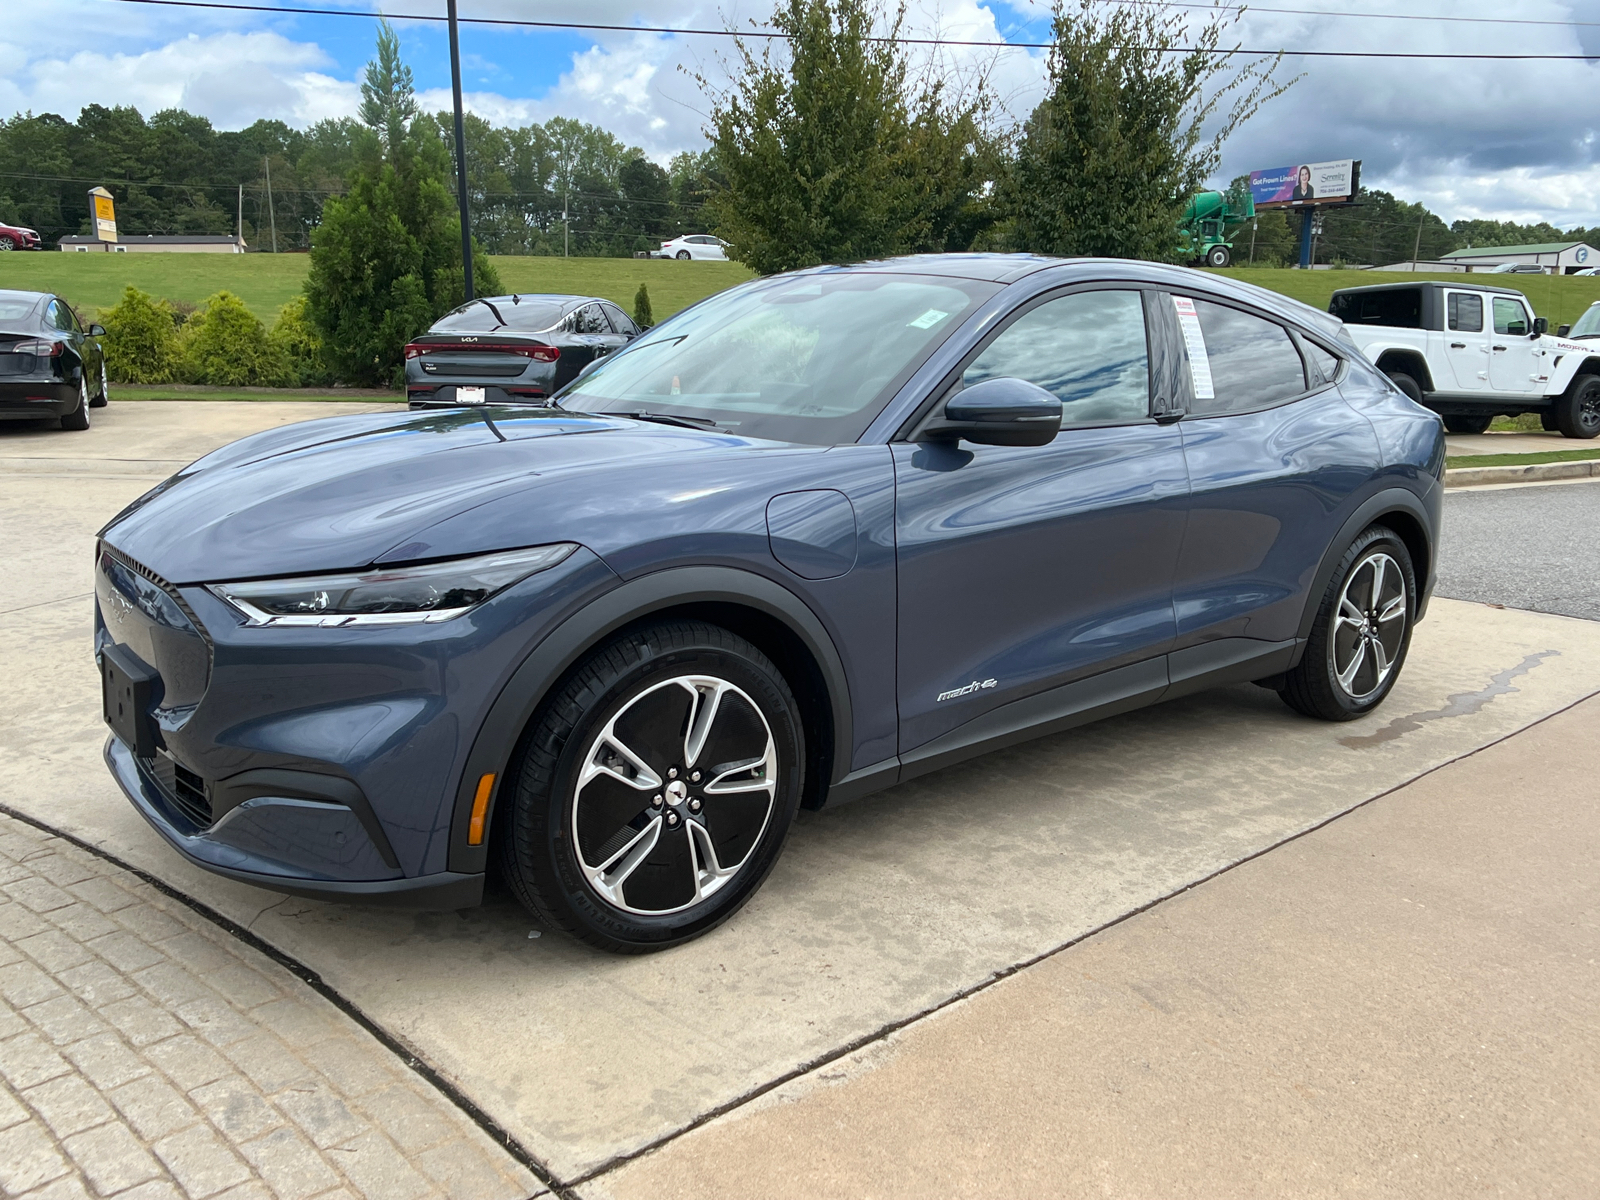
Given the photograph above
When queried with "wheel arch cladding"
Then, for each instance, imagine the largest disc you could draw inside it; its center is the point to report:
(763, 612)
(1411, 362)
(1399, 510)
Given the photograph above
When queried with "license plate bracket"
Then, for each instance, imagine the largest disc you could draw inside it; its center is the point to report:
(128, 693)
(469, 395)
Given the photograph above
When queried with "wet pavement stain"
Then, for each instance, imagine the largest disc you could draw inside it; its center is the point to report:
(1459, 705)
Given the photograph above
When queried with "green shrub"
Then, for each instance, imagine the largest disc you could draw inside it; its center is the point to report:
(141, 341)
(226, 346)
(642, 316)
(299, 346)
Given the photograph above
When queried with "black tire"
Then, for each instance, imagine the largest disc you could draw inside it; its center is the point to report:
(1406, 384)
(565, 816)
(1461, 424)
(104, 397)
(77, 420)
(1577, 411)
(1547, 421)
(6, 242)
(1314, 687)
(1218, 256)
(683, 254)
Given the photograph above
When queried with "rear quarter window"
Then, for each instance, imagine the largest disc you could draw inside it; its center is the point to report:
(1399, 307)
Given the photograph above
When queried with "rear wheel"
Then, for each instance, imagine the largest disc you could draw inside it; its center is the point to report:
(654, 790)
(1406, 384)
(1362, 631)
(1577, 411)
(78, 419)
(683, 254)
(104, 397)
(1467, 424)
(1218, 256)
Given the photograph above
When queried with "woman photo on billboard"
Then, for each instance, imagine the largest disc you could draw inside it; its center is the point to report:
(1302, 185)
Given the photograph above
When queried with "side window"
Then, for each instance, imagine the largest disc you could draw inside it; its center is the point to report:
(1326, 365)
(589, 319)
(58, 316)
(619, 320)
(1465, 312)
(1252, 363)
(1510, 317)
(1088, 348)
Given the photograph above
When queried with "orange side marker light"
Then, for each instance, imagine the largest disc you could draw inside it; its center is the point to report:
(480, 809)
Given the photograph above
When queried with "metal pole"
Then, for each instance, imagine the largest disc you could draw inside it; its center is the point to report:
(1254, 224)
(241, 214)
(271, 212)
(1417, 249)
(1306, 217)
(461, 149)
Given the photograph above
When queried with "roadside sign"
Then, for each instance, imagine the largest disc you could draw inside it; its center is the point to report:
(105, 216)
(1306, 183)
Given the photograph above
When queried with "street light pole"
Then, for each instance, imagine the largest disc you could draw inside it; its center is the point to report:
(461, 149)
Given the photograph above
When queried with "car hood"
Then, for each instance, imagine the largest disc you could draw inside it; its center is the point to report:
(347, 492)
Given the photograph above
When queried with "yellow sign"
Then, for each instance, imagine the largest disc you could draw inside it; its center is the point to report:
(105, 217)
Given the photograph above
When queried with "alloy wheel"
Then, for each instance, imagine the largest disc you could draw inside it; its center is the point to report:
(1369, 625)
(673, 795)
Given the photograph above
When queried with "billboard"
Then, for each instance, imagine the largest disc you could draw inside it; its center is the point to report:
(1306, 183)
(105, 216)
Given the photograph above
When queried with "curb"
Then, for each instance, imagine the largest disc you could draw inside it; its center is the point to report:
(1532, 473)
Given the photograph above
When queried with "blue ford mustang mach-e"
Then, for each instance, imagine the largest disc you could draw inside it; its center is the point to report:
(816, 535)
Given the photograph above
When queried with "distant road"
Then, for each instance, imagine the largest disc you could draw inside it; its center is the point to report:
(1532, 547)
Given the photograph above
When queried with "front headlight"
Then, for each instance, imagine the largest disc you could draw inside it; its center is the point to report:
(391, 595)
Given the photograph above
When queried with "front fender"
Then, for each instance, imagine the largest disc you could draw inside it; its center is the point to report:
(566, 645)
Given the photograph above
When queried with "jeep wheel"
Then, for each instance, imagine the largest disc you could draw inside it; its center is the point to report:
(1577, 412)
(1467, 424)
(655, 789)
(1547, 421)
(1406, 384)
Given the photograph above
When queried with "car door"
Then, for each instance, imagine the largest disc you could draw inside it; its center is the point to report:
(1513, 354)
(1025, 571)
(1274, 457)
(1466, 342)
(588, 335)
(623, 330)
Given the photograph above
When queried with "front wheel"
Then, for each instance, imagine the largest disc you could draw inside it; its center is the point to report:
(1361, 634)
(1577, 410)
(1463, 424)
(1218, 256)
(6, 242)
(654, 790)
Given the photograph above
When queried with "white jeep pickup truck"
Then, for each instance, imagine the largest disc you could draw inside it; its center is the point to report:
(1472, 353)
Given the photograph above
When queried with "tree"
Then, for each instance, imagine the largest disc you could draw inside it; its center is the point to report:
(642, 316)
(386, 260)
(388, 95)
(1109, 159)
(224, 344)
(830, 150)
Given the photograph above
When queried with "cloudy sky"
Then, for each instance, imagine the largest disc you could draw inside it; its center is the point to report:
(1495, 139)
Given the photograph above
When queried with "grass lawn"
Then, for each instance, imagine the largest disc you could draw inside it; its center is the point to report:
(1520, 460)
(1560, 299)
(266, 282)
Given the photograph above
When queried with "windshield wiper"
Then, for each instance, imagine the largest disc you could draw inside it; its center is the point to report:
(667, 419)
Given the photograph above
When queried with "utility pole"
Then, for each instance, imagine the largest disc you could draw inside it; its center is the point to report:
(1255, 223)
(241, 214)
(1416, 250)
(461, 150)
(271, 215)
(566, 225)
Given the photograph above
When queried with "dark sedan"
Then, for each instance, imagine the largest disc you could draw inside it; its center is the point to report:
(511, 349)
(812, 537)
(50, 364)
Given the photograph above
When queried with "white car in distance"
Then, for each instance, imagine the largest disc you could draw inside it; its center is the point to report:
(695, 245)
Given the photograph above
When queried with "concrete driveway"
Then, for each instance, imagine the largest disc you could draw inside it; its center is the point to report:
(878, 913)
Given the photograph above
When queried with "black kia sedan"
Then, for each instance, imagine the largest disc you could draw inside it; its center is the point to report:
(814, 536)
(511, 349)
(50, 364)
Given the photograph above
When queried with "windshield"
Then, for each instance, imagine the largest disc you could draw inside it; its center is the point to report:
(800, 358)
(524, 314)
(1588, 325)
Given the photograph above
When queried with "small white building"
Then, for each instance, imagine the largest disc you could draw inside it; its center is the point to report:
(188, 243)
(1556, 258)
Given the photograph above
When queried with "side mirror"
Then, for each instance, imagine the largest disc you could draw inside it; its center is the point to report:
(1563, 330)
(999, 412)
(1540, 325)
(97, 331)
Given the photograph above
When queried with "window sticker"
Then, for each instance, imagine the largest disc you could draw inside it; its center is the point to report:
(1194, 340)
(927, 320)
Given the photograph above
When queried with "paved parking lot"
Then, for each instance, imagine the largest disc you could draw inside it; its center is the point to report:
(878, 914)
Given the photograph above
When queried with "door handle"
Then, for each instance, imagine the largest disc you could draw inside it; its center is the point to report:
(1458, 345)
(1499, 347)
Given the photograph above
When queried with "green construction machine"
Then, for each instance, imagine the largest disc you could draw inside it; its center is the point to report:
(1205, 231)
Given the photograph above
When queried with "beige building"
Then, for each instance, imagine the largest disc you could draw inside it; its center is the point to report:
(195, 243)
